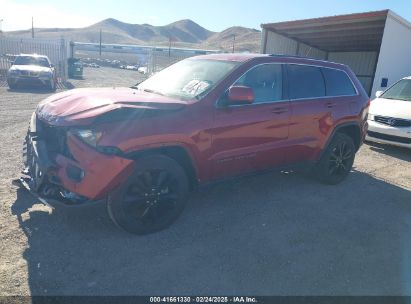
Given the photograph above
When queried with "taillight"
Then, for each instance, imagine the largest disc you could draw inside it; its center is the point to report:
(364, 114)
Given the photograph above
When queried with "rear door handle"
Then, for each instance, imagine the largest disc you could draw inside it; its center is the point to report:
(279, 110)
(330, 104)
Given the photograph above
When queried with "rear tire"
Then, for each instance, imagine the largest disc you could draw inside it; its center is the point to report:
(152, 198)
(337, 160)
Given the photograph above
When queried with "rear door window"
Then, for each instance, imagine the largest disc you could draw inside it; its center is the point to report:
(337, 83)
(305, 82)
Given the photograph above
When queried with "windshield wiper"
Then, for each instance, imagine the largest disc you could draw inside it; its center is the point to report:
(153, 91)
(396, 98)
(136, 85)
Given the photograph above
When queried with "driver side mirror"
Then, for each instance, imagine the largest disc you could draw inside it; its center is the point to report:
(240, 95)
(378, 93)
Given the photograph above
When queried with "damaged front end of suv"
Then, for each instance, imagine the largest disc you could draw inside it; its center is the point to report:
(67, 159)
(60, 164)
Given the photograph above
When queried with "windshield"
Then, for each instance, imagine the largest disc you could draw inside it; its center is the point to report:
(401, 90)
(31, 60)
(188, 79)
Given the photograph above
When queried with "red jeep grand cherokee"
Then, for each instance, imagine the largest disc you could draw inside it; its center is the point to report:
(142, 149)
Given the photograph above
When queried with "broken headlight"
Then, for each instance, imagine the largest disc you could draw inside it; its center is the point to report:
(90, 137)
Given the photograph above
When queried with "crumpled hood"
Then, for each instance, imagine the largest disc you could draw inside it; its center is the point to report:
(80, 106)
(30, 68)
(391, 108)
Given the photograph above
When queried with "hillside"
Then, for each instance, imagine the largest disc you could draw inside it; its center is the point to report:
(184, 33)
(245, 39)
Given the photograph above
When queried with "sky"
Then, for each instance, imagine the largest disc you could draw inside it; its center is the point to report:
(215, 15)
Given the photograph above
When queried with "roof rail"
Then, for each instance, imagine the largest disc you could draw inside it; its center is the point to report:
(294, 56)
(302, 57)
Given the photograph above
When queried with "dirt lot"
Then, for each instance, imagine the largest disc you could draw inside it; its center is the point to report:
(276, 233)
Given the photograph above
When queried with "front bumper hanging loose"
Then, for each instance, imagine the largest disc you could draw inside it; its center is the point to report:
(84, 178)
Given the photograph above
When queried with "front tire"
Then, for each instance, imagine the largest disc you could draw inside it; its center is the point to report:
(52, 85)
(152, 198)
(12, 86)
(337, 160)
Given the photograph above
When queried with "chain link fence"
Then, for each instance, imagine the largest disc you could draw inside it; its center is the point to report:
(151, 59)
(55, 50)
(5, 64)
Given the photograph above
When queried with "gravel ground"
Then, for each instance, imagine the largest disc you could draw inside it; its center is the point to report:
(273, 234)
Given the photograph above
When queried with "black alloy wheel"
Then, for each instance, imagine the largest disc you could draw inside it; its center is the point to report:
(152, 198)
(340, 159)
(337, 160)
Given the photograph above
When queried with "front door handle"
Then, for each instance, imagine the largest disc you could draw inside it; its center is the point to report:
(330, 104)
(279, 110)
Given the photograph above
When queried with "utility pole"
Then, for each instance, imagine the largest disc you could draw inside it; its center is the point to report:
(100, 42)
(170, 40)
(233, 43)
(32, 27)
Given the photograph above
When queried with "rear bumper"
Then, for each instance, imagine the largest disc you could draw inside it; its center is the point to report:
(364, 131)
(87, 175)
(75, 72)
(397, 136)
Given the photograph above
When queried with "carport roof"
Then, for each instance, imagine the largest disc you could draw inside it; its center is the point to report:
(353, 32)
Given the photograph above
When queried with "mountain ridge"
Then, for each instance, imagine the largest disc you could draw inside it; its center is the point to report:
(185, 33)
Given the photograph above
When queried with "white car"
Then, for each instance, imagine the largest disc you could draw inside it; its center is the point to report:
(131, 67)
(142, 70)
(32, 69)
(389, 117)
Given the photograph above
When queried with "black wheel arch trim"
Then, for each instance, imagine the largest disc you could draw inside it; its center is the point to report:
(191, 170)
(336, 129)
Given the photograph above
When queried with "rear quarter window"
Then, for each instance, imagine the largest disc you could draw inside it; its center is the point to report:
(337, 83)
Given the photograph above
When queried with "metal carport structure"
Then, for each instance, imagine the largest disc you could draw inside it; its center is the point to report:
(364, 41)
